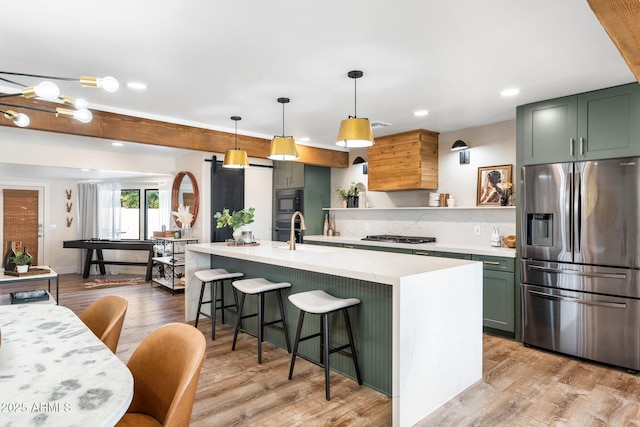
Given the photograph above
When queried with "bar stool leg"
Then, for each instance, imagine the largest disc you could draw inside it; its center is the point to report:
(352, 343)
(284, 322)
(222, 299)
(199, 304)
(294, 353)
(213, 309)
(325, 352)
(260, 324)
(238, 320)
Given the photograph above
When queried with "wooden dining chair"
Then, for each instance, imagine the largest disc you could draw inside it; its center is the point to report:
(105, 317)
(165, 368)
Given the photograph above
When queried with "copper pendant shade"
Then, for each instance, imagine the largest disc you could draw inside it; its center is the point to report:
(283, 147)
(354, 131)
(234, 157)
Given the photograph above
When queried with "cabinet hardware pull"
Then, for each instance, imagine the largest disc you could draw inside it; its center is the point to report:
(491, 262)
(571, 146)
(581, 146)
(348, 246)
(422, 253)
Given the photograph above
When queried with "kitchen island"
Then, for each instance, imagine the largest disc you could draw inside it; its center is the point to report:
(418, 330)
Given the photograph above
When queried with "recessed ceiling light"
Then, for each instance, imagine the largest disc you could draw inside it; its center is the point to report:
(304, 139)
(510, 92)
(136, 85)
(421, 113)
(117, 144)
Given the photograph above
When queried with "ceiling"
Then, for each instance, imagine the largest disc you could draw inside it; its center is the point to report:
(204, 61)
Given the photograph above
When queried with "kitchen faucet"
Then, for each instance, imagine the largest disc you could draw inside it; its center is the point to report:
(292, 238)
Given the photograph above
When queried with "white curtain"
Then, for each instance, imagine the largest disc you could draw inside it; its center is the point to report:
(164, 195)
(109, 211)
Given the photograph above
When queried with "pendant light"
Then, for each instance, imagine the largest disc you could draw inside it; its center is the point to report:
(355, 132)
(235, 158)
(283, 147)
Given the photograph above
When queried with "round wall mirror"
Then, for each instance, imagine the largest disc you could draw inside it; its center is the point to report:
(185, 192)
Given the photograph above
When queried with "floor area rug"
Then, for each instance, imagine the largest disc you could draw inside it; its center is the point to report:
(114, 282)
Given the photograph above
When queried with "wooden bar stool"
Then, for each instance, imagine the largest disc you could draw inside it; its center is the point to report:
(215, 276)
(260, 287)
(323, 304)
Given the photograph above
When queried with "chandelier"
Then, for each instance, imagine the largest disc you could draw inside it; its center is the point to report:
(49, 91)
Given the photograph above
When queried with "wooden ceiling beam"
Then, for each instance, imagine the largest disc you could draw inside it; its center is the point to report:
(621, 21)
(121, 127)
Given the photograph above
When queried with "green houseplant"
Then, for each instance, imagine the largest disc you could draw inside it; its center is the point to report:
(238, 221)
(349, 196)
(22, 261)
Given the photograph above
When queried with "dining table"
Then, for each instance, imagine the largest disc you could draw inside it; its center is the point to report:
(55, 372)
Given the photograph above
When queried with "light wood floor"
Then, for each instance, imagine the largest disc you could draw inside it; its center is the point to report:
(520, 386)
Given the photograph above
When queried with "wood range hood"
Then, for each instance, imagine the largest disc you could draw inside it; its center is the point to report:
(154, 132)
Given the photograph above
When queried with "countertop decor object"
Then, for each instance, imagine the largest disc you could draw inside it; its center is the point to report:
(509, 241)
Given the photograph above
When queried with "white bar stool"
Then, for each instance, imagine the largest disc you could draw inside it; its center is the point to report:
(260, 287)
(323, 304)
(215, 276)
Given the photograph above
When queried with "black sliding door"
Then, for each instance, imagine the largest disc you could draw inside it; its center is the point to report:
(227, 191)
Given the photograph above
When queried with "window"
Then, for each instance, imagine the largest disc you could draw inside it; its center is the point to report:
(153, 216)
(130, 214)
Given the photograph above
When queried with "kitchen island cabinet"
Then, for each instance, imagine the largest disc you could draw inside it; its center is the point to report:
(418, 330)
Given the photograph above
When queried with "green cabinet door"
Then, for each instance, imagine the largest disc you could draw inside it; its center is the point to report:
(498, 300)
(498, 292)
(609, 123)
(549, 130)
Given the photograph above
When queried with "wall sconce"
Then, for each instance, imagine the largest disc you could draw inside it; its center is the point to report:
(465, 156)
(365, 166)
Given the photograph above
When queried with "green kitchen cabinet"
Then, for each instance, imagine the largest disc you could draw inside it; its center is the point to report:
(288, 175)
(498, 291)
(593, 125)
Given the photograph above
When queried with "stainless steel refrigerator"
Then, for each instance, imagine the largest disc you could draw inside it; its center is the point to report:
(580, 259)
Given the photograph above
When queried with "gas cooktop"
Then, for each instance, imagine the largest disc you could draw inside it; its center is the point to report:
(399, 239)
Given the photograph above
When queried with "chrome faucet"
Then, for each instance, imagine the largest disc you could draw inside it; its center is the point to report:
(292, 238)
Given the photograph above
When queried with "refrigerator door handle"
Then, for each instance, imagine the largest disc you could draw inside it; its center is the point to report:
(578, 212)
(578, 300)
(579, 273)
(568, 190)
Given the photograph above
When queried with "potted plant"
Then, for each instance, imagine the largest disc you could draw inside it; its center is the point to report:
(348, 196)
(237, 220)
(343, 194)
(22, 261)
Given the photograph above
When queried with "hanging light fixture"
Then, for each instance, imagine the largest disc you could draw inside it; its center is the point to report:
(355, 132)
(283, 147)
(49, 91)
(235, 158)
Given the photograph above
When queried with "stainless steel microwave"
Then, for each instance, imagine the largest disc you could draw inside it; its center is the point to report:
(289, 201)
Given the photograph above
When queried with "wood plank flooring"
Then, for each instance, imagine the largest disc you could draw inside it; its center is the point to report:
(520, 387)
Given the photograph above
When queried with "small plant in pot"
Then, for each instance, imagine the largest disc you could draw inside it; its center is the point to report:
(22, 261)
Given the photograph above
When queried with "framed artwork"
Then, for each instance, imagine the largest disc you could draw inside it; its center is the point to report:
(494, 183)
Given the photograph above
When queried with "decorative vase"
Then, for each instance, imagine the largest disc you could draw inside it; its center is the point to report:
(22, 268)
(26, 252)
(352, 201)
(8, 264)
(243, 233)
(184, 232)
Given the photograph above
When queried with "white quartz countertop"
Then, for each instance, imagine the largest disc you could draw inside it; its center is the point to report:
(441, 247)
(375, 266)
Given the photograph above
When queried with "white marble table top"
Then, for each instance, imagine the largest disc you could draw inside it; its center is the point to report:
(55, 372)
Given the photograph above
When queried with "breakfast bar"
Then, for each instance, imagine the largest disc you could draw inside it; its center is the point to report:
(418, 330)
